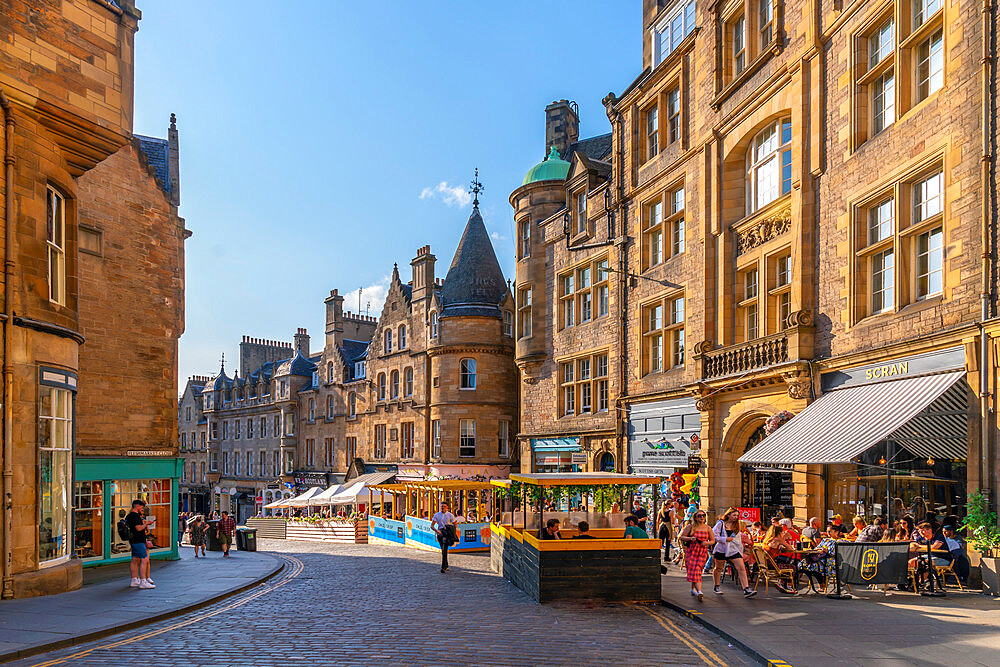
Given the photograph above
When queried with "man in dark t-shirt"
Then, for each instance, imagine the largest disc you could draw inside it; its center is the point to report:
(639, 512)
(138, 534)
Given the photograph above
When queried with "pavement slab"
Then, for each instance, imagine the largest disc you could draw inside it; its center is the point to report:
(106, 604)
(871, 628)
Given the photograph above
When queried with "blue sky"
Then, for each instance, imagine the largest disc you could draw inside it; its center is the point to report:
(310, 131)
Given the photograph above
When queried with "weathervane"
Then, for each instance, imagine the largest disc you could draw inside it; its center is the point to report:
(476, 188)
(223, 362)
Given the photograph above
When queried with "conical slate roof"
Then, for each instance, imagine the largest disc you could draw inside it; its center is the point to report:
(474, 284)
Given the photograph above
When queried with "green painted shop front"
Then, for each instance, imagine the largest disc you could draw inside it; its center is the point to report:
(104, 488)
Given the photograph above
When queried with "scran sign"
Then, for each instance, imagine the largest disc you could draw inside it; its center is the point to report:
(749, 514)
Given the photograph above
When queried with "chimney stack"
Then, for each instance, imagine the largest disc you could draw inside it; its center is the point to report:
(334, 319)
(562, 126)
(302, 342)
(423, 274)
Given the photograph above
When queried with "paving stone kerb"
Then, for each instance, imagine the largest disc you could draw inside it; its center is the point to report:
(35, 625)
(903, 628)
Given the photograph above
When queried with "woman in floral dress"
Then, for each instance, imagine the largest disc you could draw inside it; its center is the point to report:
(695, 538)
(821, 563)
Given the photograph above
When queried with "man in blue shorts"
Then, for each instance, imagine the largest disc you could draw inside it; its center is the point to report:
(138, 533)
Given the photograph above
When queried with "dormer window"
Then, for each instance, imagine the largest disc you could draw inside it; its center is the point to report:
(329, 371)
(508, 323)
(387, 341)
(359, 370)
(672, 29)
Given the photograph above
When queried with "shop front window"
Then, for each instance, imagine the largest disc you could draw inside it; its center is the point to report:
(88, 520)
(55, 421)
(156, 493)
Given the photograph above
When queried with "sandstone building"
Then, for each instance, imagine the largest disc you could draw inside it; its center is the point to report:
(93, 295)
(798, 214)
(425, 390)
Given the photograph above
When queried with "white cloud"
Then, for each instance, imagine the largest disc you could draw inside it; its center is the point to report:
(496, 237)
(372, 298)
(451, 195)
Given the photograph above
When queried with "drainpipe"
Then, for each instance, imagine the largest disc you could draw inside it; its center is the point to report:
(623, 278)
(7, 590)
(987, 250)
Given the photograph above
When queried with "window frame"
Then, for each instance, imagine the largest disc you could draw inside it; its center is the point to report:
(467, 372)
(55, 243)
(662, 335)
(756, 162)
(524, 324)
(465, 436)
(583, 380)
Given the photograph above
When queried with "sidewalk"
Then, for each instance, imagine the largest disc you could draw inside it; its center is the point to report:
(106, 604)
(872, 628)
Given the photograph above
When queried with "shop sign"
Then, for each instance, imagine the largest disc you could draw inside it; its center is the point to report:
(694, 461)
(217, 490)
(896, 369)
(310, 479)
(749, 514)
(259, 499)
(232, 491)
(578, 458)
(149, 452)
(660, 435)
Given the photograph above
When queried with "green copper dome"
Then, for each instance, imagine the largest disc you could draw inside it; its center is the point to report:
(552, 168)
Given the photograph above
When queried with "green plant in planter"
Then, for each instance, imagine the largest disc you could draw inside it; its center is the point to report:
(981, 525)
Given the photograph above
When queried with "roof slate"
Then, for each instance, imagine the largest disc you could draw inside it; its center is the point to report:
(475, 278)
(596, 148)
(157, 155)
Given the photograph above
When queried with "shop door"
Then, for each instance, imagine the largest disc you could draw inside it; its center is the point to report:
(770, 491)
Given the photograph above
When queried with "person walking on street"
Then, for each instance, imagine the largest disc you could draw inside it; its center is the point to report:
(181, 526)
(695, 537)
(729, 549)
(443, 524)
(198, 536)
(226, 528)
(138, 530)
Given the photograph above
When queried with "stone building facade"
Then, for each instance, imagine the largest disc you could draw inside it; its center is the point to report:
(192, 443)
(81, 205)
(425, 390)
(802, 201)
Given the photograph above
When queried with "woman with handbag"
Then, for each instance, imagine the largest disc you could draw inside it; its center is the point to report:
(729, 549)
(696, 538)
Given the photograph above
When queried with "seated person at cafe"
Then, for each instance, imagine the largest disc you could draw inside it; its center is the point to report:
(927, 536)
(791, 535)
(551, 530)
(756, 531)
(583, 531)
(632, 529)
(872, 532)
(859, 525)
(813, 532)
(777, 545)
(956, 547)
(820, 564)
(838, 520)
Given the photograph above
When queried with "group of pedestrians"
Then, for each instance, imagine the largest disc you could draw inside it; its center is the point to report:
(726, 542)
(197, 528)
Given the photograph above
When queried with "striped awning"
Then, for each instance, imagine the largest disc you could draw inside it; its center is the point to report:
(844, 423)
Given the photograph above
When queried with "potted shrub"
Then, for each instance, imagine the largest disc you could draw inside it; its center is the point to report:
(984, 536)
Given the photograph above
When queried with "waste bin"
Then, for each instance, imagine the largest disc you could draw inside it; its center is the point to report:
(214, 543)
(246, 539)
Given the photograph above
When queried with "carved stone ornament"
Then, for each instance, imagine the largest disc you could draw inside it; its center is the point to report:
(703, 347)
(800, 318)
(799, 385)
(769, 227)
(703, 404)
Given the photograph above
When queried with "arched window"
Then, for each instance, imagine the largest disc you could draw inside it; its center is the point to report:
(381, 386)
(401, 337)
(312, 409)
(434, 325)
(352, 404)
(408, 382)
(387, 341)
(769, 165)
(467, 374)
(394, 384)
(329, 406)
(329, 371)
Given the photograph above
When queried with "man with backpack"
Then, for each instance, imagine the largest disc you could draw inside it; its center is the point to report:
(443, 524)
(135, 528)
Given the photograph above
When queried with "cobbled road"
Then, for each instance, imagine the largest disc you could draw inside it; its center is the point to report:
(340, 604)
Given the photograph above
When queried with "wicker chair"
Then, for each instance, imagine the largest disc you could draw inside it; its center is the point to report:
(769, 570)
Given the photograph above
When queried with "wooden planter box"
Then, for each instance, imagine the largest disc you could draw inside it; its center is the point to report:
(601, 569)
(333, 532)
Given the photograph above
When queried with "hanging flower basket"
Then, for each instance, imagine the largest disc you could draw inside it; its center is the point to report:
(777, 420)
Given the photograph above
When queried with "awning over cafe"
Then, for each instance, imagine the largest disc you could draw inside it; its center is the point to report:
(555, 444)
(926, 415)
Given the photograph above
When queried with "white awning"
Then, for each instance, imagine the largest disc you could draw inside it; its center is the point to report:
(323, 498)
(844, 423)
(303, 500)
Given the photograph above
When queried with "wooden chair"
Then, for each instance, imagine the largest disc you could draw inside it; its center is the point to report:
(769, 570)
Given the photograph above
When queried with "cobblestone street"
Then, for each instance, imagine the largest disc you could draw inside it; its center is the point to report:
(359, 604)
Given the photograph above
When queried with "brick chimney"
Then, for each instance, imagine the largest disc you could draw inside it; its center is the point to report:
(562, 126)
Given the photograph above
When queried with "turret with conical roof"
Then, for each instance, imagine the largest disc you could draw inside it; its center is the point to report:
(475, 284)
